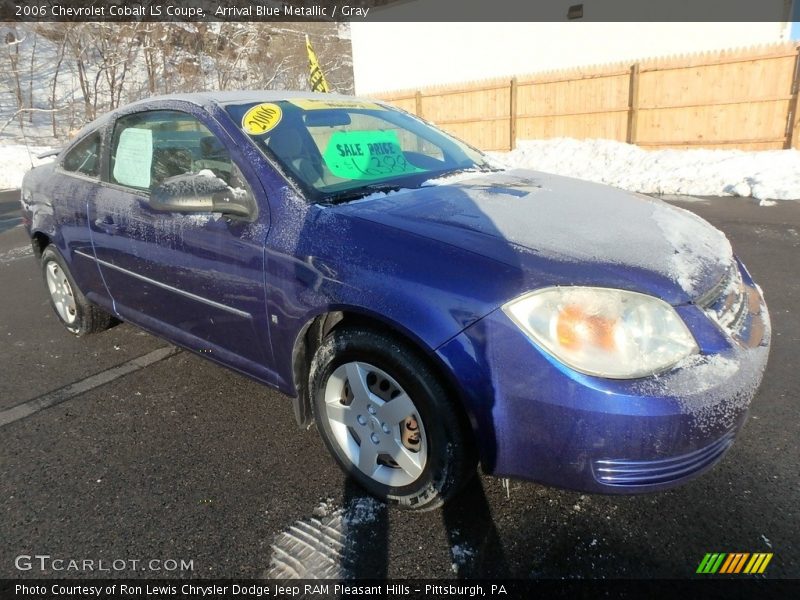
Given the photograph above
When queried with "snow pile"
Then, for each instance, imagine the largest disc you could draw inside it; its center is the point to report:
(765, 174)
(462, 554)
(17, 160)
(16, 253)
(362, 511)
(327, 545)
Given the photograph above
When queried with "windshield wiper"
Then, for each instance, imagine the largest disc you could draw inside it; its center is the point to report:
(361, 192)
(366, 190)
(483, 168)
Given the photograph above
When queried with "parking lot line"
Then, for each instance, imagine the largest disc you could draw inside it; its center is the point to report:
(26, 409)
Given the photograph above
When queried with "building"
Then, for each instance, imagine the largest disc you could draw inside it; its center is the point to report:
(404, 55)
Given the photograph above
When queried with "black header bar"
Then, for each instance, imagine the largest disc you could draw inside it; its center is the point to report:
(399, 10)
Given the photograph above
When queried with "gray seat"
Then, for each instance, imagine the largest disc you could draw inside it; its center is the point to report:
(288, 145)
(212, 149)
(168, 162)
(215, 157)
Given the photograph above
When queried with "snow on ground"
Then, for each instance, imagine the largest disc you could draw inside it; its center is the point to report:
(16, 160)
(329, 543)
(768, 174)
(765, 175)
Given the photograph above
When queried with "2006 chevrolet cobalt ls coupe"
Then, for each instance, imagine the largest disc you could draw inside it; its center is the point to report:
(425, 308)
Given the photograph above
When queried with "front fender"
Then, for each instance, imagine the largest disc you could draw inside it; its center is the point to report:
(318, 261)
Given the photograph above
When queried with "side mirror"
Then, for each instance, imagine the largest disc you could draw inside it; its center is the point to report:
(197, 192)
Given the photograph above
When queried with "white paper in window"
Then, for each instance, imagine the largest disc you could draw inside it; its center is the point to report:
(134, 157)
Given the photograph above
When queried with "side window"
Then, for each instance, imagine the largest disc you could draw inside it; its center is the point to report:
(150, 147)
(85, 156)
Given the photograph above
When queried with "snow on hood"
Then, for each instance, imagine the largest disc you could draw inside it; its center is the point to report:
(562, 219)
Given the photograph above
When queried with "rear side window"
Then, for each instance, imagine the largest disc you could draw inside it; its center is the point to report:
(85, 156)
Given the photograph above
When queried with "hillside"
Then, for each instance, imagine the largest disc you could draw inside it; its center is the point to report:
(61, 75)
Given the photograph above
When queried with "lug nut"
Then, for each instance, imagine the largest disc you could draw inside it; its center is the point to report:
(374, 438)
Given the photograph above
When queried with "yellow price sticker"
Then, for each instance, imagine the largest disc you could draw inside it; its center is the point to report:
(261, 118)
(317, 104)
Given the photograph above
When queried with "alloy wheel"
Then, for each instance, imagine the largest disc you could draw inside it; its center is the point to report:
(61, 293)
(376, 424)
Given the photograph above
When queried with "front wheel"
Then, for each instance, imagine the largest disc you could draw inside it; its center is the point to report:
(387, 419)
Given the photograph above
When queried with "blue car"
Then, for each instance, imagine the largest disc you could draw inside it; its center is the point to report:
(424, 307)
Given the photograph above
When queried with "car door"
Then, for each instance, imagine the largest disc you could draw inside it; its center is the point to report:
(75, 182)
(194, 277)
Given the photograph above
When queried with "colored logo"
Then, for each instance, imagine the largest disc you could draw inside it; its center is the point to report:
(736, 562)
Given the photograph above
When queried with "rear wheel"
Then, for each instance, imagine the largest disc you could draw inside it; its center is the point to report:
(387, 419)
(73, 310)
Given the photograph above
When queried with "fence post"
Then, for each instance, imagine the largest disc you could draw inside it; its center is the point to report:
(418, 103)
(792, 122)
(512, 115)
(633, 104)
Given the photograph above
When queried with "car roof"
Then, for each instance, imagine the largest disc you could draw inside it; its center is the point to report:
(244, 96)
(220, 98)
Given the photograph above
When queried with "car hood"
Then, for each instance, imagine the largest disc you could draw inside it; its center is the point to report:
(562, 231)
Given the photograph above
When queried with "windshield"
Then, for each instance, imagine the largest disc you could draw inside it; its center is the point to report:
(343, 149)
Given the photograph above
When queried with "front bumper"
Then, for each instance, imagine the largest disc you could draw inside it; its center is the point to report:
(535, 418)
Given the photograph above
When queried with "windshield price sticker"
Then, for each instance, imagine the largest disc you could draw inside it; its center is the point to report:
(261, 118)
(366, 155)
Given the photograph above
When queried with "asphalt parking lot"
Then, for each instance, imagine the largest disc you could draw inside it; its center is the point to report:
(181, 460)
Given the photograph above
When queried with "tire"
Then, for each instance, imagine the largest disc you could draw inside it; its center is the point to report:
(75, 312)
(396, 431)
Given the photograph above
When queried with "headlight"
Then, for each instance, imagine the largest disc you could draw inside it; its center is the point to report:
(602, 331)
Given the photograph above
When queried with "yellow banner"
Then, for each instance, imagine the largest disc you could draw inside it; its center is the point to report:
(315, 77)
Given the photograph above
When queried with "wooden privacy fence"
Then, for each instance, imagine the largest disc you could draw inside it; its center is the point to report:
(745, 99)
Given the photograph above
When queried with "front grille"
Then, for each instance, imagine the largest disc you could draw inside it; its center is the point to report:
(727, 302)
(625, 472)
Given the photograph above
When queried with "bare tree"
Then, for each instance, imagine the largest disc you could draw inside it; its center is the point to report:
(111, 63)
(54, 87)
(31, 75)
(79, 52)
(13, 43)
(150, 51)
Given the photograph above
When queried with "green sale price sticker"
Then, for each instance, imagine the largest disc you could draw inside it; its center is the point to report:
(366, 155)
